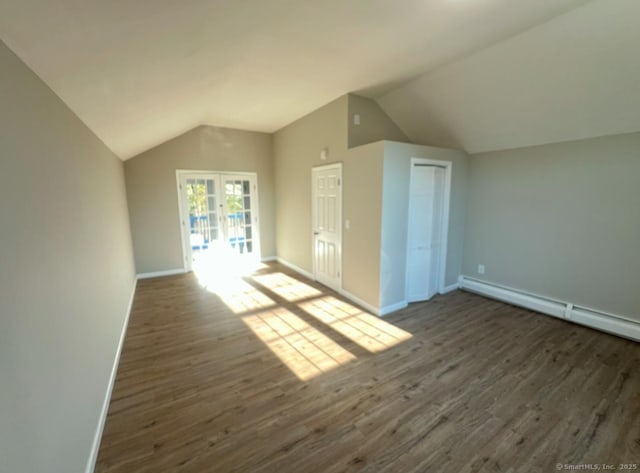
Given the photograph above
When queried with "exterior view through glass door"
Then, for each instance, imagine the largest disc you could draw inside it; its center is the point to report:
(239, 213)
(219, 218)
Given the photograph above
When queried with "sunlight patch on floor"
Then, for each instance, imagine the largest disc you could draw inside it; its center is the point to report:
(306, 351)
(238, 295)
(242, 297)
(286, 287)
(221, 273)
(220, 262)
(370, 332)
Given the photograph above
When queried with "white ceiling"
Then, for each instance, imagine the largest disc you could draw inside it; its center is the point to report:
(141, 72)
(576, 76)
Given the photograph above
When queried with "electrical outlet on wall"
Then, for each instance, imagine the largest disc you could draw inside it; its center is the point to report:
(356, 119)
(481, 269)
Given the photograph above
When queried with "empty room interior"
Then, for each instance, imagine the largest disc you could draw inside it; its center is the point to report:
(319, 236)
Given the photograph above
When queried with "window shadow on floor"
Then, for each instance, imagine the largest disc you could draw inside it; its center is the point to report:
(308, 327)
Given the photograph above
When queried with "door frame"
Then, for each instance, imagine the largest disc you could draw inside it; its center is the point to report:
(313, 219)
(446, 204)
(183, 211)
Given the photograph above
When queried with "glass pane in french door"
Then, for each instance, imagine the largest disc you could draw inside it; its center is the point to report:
(204, 225)
(241, 234)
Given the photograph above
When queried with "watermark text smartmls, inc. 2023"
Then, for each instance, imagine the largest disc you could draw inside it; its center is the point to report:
(596, 466)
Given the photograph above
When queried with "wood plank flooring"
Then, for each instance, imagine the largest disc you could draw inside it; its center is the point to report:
(283, 375)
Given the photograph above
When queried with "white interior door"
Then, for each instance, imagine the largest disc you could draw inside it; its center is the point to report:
(327, 224)
(424, 245)
(219, 218)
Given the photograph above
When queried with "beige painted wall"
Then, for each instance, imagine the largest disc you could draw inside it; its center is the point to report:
(397, 173)
(362, 205)
(153, 198)
(297, 148)
(66, 279)
(375, 124)
(560, 220)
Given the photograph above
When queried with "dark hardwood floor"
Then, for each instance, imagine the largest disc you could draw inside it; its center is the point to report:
(281, 375)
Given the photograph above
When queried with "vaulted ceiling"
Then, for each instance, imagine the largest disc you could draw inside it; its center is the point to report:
(576, 76)
(454, 72)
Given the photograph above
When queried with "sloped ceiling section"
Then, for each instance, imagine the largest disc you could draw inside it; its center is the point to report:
(141, 72)
(576, 76)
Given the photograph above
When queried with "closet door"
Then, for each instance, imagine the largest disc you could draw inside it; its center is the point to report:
(424, 243)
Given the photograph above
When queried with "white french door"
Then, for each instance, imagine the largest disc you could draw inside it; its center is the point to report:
(327, 224)
(218, 216)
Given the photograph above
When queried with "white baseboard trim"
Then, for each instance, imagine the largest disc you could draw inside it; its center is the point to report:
(365, 305)
(610, 323)
(392, 308)
(159, 274)
(450, 288)
(295, 268)
(268, 259)
(380, 311)
(95, 446)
